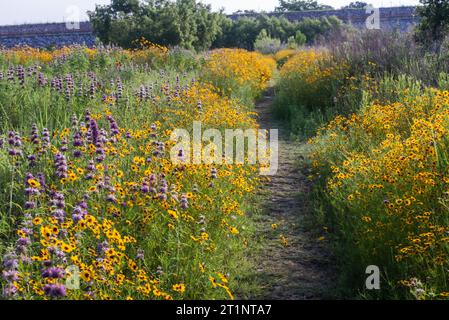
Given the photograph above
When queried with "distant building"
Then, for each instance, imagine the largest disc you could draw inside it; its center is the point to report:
(58, 34)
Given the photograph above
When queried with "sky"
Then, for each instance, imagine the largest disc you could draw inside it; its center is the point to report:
(35, 11)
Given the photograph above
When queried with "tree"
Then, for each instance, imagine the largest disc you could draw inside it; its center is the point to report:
(356, 5)
(243, 32)
(125, 6)
(434, 20)
(185, 23)
(301, 5)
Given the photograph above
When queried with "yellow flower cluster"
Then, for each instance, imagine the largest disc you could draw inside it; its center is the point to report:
(308, 66)
(233, 68)
(207, 101)
(146, 51)
(27, 55)
(388, 172)
(285, 54)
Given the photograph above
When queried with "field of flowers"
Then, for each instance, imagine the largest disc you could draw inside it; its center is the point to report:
(380, 167)
(239, 73)
(86, 182)
(308, 80)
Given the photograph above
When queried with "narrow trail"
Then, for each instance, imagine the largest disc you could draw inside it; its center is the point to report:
(303, 269)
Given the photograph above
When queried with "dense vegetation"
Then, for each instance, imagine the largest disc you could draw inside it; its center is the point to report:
(191, 24)
(375, 106)
(88, 184)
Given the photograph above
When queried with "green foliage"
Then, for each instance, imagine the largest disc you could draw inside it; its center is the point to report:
(192, 25)
(242, 32)
(266, 44)
(434, 20)
(300, 38)
(314, 28)
(356, 5)
(301, 5)
(186, 23)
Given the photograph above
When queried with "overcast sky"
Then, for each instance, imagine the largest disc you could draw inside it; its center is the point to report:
(29, 11)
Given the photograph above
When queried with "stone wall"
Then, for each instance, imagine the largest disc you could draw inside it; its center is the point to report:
(46, 35)
(401, 18)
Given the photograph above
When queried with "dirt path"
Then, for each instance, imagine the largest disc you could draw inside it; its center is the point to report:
(302, 269)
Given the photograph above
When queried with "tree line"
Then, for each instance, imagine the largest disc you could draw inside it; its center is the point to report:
(193, 25)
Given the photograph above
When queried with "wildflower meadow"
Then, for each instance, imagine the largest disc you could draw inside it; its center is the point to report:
(87, 181)
(183, 153)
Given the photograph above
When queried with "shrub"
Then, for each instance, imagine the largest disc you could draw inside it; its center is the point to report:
(265, 44)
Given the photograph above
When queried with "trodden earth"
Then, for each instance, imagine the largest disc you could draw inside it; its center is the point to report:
(296, 262)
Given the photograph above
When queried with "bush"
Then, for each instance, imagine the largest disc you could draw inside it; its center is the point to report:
(265, 44)
(300, 38)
